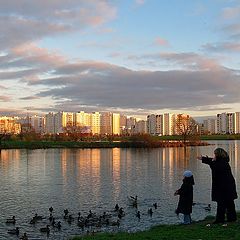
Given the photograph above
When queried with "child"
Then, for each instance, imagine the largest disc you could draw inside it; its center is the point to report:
(185, 197)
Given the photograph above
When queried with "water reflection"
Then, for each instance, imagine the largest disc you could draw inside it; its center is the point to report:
(83, 179)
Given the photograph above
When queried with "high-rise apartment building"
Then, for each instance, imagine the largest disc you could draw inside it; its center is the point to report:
(106, 123)
(131, 121)
(151, 124)
(59, 122)
(49, 123)
(225, 123)
(230, 123)
(116, 123)
(37, 123)
(123, 121)
(159, 125)
(237, 122)
(68, 120)
(9, 125)
(95, 123)
(210, 126)
(140, 127)
(82, 119)
(168, 124)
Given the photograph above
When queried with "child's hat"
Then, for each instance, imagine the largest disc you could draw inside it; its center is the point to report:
(187, 173)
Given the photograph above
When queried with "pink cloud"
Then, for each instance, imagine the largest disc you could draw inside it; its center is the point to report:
(5, 99)
(229, 13)
(32, 53)
(40, 19)
(161, 41)
(140, 2)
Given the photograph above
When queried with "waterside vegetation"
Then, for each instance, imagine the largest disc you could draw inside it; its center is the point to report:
(35, 141)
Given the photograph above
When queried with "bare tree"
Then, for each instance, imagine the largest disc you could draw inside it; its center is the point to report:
(186, 127)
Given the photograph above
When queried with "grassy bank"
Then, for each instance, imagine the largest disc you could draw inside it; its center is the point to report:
(205, 137)
(197, 230)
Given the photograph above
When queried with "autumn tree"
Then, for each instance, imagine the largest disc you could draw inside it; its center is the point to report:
(186, 127)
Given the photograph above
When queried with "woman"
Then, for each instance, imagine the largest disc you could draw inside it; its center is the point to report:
(223, 185)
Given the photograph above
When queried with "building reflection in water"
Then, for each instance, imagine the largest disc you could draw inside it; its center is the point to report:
(116, 158)
(102, 175)
(10, 158)
(81, 164)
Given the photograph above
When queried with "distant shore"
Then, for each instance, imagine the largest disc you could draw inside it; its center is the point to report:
(132, 142)
(93, 144)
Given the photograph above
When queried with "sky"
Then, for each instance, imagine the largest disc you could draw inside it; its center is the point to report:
(136, 57)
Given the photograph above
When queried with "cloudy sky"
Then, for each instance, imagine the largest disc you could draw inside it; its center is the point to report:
(131, 56)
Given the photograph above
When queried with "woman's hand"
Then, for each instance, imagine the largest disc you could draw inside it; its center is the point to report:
(199, 157)
(176, 193)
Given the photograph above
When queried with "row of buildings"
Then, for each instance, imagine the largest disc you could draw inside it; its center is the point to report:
(224, 123)
(108, 123)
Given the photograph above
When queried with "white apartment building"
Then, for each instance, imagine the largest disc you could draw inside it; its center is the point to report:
(49, 123)
(95, 122)
(68, 119)
(210, 126)
(230, 123)
(222, 123)
(116, 123)
(37, 123)
(226, 123)
(168, 124)
(161, 124)
(82, 119)
(237, 122)
(140, 127)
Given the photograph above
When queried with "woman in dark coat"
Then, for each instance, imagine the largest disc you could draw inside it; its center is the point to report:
(185, 193)
(223, 185)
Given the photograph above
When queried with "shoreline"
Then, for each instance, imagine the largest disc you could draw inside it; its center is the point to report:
(202, 229)
(95, 144)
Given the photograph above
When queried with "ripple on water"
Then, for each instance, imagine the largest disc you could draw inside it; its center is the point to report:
(95, 179)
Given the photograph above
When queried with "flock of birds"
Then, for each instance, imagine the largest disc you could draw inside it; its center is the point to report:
(84, 222)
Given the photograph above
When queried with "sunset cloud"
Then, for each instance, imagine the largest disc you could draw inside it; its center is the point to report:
(232, 31)
(231, 12)
(27, 21)
(111, 55)
(140, 2)
(222, 47)
(185, 61)
(148, 90)
(161, 41)
(5, 99)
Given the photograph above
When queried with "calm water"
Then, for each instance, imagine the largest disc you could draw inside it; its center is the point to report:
(33, 180)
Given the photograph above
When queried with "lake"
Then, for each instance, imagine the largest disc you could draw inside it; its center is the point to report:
(81, 180)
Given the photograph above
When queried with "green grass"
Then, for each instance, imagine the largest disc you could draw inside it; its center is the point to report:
(197, 230)
(205, 137)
